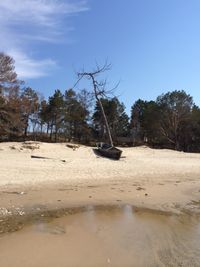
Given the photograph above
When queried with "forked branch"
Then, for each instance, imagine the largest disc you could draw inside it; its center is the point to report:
(100, 90)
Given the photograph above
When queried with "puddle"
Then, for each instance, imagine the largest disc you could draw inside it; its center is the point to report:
(103, 236)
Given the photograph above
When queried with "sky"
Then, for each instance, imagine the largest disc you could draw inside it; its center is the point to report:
(152, 45)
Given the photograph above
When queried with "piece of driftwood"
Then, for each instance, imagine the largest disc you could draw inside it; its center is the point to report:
(39, 157)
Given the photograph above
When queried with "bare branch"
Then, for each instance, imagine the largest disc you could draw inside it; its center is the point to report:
(99, 88)
(77, 82)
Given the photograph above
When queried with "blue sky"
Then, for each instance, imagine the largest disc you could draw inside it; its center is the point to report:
(153, 45)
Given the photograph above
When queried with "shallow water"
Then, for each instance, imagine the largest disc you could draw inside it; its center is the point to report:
(106, 236)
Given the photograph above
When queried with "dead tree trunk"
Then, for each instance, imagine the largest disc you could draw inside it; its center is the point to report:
(99, 91)
(102, 110)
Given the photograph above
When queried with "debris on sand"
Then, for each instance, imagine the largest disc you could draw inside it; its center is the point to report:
(73, 146)
(140, 188)
(14, 192)
(30, 145)
(4, 212)
(41, 157)
(13, 147)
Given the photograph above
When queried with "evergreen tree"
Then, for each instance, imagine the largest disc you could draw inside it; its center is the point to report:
(175, 108)
(56, 112)
(117, 119)
(76, 115)
(145, 116)
(30, 105)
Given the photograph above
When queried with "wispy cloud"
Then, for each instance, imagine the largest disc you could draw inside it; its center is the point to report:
(24, 23)
(28, 67)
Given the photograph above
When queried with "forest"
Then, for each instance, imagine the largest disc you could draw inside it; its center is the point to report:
(171, 121)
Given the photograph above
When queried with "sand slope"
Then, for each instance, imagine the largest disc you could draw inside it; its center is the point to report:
(17, 166)
(158, 179)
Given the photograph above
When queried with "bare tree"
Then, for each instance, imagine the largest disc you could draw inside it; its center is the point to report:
(30, 103)
(100, 90)
(7, 73)
(8, 76)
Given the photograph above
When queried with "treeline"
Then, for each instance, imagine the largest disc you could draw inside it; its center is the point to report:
(171, 121)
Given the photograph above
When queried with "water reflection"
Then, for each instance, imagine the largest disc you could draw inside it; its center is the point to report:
(106, 235)
(127, 212)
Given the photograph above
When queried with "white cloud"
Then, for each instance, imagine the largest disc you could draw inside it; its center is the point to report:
(26, 22)
(27, 67)
(39, 12)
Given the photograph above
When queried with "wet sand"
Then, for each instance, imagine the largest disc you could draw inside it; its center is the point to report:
(20, 201)
(105, 236)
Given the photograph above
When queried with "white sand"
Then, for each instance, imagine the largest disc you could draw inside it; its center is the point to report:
(158, 179)
(17, 166)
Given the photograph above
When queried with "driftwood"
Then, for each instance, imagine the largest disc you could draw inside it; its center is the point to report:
(39, 157)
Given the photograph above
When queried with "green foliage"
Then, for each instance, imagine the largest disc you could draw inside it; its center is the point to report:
(117, 118)
(144, 121)
(168, 122)
(176, 108)
(56, 112)
(75, 116)
(29, 106)
(172, 121)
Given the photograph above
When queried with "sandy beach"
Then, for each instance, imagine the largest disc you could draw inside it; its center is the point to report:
(64, 206)
(161, 180)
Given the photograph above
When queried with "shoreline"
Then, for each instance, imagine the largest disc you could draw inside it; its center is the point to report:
(160, 180)
(25, 205)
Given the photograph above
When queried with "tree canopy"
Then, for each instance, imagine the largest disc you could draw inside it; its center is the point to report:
(170, 121)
